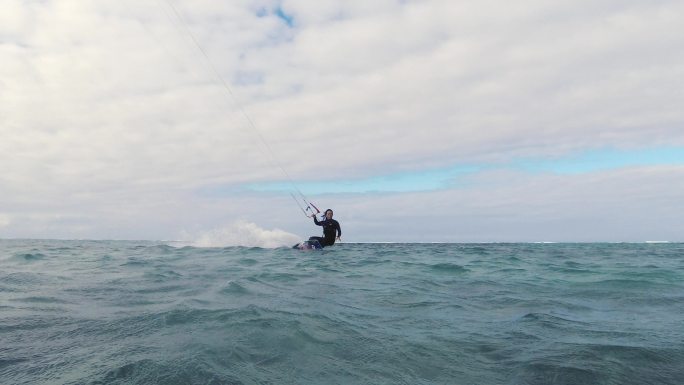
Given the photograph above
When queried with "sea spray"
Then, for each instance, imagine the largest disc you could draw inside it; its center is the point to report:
(242, 233)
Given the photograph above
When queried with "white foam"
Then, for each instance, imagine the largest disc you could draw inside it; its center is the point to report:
(243, 233)
(4, 220)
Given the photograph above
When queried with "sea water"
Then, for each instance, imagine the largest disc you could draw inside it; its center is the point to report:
(113, 312)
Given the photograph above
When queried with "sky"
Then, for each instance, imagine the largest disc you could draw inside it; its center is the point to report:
(414, 120)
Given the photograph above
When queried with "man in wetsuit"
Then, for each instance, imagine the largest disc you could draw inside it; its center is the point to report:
(331, 228)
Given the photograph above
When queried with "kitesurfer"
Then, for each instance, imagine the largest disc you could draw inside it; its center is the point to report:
(331, 230)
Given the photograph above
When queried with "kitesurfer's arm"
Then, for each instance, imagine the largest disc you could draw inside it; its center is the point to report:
(339, 230)
(316, 221)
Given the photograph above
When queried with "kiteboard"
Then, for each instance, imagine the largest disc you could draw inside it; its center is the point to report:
(308, 245)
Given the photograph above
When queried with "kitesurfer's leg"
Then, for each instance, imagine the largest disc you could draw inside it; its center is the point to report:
(317, 240)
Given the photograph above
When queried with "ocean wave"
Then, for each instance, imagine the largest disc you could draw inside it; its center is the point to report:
(28, 257)
(26, 279)
(162, 276)
(134, 313)
(564, 363)
(41, 300)
(552, 321)
(448, 268)
(234, 288)
(166, 372)
(621, 285)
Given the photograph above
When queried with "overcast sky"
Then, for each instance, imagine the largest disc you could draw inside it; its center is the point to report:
(415, 120)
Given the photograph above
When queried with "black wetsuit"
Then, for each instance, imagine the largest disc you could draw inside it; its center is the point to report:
(330, 227)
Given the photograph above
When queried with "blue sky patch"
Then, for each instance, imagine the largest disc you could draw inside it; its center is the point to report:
(279, 13)
(436, 179)
(288, 19)
(603, 159)
(400, 182)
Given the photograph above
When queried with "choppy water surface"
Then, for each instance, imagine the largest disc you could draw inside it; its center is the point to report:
(104, 312)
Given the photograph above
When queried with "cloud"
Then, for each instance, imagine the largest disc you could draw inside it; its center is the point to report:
(532, 85)
(634, 204)
(111, 117)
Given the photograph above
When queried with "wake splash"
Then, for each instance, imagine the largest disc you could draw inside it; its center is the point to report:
(243, 233)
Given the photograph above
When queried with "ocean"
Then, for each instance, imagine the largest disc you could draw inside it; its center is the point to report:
(133, 312)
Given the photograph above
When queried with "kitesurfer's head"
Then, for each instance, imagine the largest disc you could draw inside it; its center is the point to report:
(328, 214)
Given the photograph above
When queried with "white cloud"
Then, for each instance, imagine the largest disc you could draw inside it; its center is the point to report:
(111, 120)
(621, 205)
